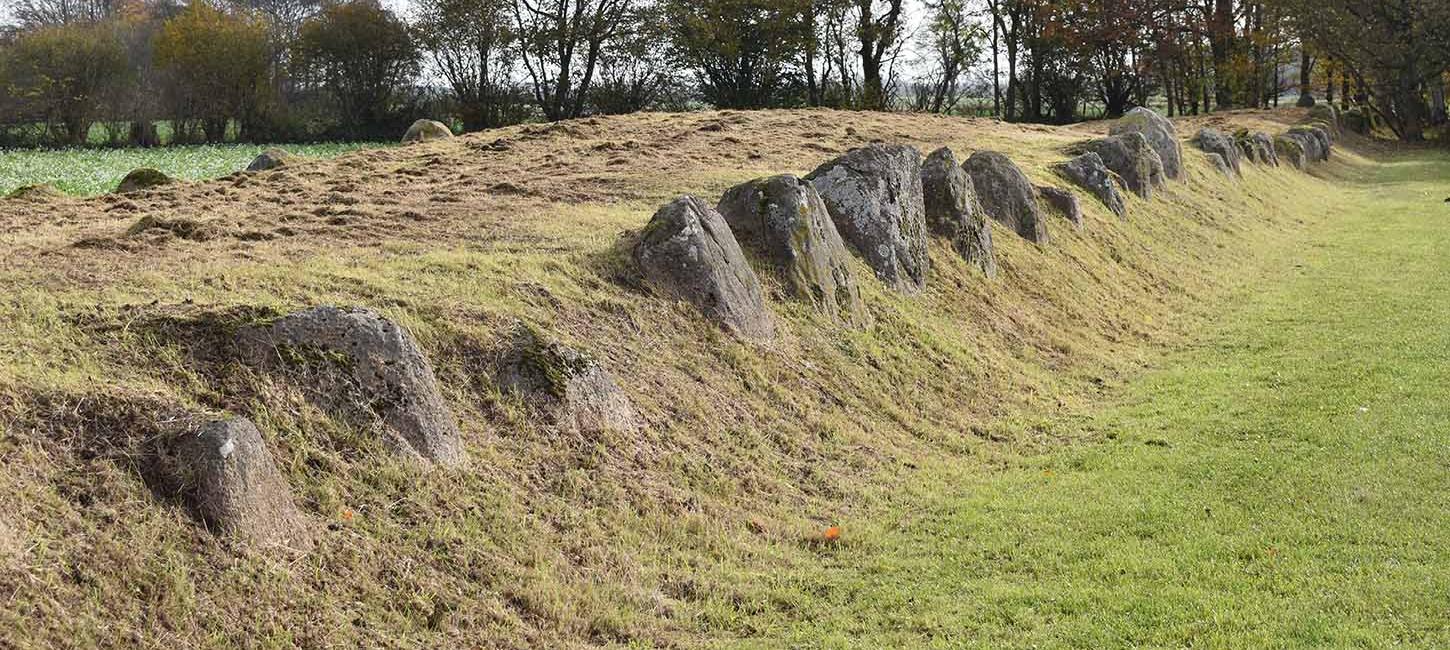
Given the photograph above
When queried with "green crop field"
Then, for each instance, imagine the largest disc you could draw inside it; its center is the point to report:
(93, 171)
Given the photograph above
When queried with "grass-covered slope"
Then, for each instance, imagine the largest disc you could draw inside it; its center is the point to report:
(662, 538)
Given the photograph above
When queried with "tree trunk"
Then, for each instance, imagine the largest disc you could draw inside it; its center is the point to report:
(1306, 76)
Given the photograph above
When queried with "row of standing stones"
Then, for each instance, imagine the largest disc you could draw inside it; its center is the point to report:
(882, 201)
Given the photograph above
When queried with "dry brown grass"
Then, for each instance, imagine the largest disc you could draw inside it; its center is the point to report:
(547, 539)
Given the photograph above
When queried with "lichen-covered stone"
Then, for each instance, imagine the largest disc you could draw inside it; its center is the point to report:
(1313, 146)
(271, 159)
(875, 198)
(1133, 159)
(366, 368)
(1256, 147)
(688, 253)
(953, 210)
(1323, 141)
(141, 179)
(783, 220)
(1064, 202)
(35, 193)
(224, 469)
(568, 387)
(1089, 173)
(1161, 135)
(1329, 114)
(425, 130)
(1291, 148)
(1220, 165)
(1007, 195)
(1214, 141)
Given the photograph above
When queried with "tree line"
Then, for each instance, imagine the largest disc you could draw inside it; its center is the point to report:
(282, 70)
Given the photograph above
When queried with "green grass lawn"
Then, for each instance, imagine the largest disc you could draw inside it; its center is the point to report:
(93, 171)
(1285, 483)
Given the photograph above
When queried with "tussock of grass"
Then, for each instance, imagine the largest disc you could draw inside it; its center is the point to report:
(546, 539)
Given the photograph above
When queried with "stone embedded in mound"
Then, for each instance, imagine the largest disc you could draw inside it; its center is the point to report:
(271, 159)
(180, 227)
(1357, 121)
(1214, 141)
(874, 196)
(688, 253)
(143, 178)
(1291, 148)
(953, 211)
(369, 369)
(1064, 202)
(1313, 146)
(1257, 147)
(35, 193)
(783, 220)
(1219, 164)
(1133, 159)
(570, 388)
(1328, 114)
(1089, 173)
(425, 130)
(1323, 141)
(1160, 133)
(1007, 195)
(226, 472)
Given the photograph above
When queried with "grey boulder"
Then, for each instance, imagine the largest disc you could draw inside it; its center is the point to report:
(688, 253)
(1133, 159)
(783, 220)
(875, 198)
(1160, 133)
(271, 159)
(1064, 202)
(425, 130)
(228, 475)
(953, 211)
(570, 388)
(365, 367)
(1007, 195)
(1291, 148)
(1214, 141)
(1089, 173)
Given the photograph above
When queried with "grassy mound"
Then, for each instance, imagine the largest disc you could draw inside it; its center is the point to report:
(551, 538)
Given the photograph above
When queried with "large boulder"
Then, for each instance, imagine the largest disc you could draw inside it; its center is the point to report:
(1214, 141)
(571, 389)
(1256, 147)
(953, 211)
(227, 474)
(874, 196)
(143, 178)
(1324, 141)
(1089, 173)
(35, 193)
(1328, 114)
(425, 130)
(1313, 146)
(1133, 159)
(366, 368)
(1007, 195)
(1064, 202)
(1160, 133)
(271, 159)
(1220, 165)
(783, 220)
(688, 253)
(1291, 148)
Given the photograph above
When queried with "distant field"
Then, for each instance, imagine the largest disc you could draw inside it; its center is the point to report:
(89, 172)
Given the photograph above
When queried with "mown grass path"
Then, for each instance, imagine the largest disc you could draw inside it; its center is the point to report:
(1285, 483)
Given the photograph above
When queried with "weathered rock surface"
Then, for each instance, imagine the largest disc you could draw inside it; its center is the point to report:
(953, 211)
(35, 193)
(688, 253)
(367, 368)
(874, 196)
(1323, 141)
(1291, 149)
(1133, 159)
(1313, 148)
(1220, 165)
(143, 178)
(1256, 147)
(784, 221)
(1214, 141)
(271, 159)
(226, 472)
(570, 388)
(1089, 173)
(425, 130)
(1064, 202)
(1161, 135)
(1328, 114)
(1007, 195)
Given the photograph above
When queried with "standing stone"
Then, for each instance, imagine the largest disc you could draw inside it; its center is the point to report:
(1132, 158)
(874, 196)
(1064, 202)
(1219, 164)
(364, 366)
(1313, 149)
(1007, 195)
(783, 220)
(953, 211)
(570, 388)
(1263, 145)
(1323, 141)
(226, 472)
(1329, 114)
(1215, 141)
(688, 253)
(1291, 149)
(425, 130)
(1161, 135)
(1089, 173)
(271, 159)
(142, 179)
